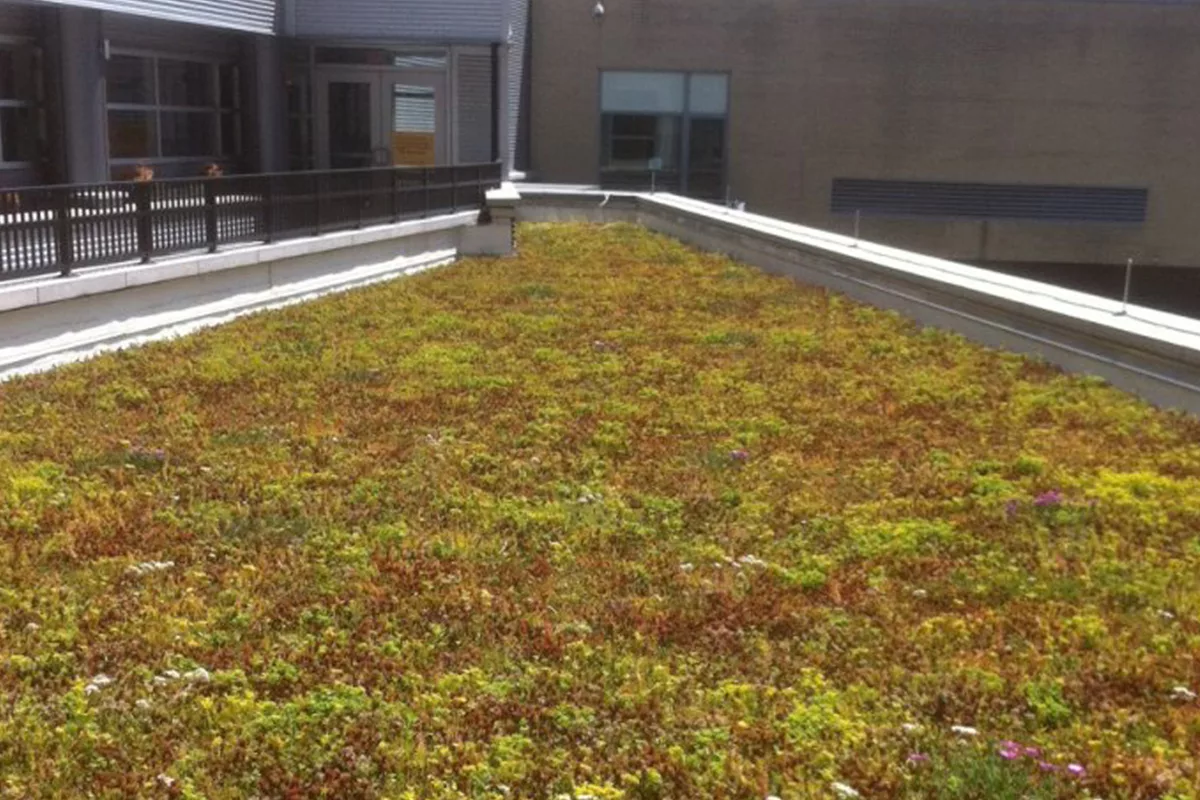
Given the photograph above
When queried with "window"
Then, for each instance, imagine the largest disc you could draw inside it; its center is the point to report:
(298, 95)
(377, 57)
(20, 104)
(172, 108)
(665, 128)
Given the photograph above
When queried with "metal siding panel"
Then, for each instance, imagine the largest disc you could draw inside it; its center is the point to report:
(474, 99)
(18, 20)
(150, 34)
(257, 16)
(1104, 204)
(407, 20)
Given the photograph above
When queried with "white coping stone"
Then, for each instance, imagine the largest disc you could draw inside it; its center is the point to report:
(157, 273)
(69, 288)
(18, 297)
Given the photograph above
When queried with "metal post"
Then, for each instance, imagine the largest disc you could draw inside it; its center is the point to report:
(268, 195)
(364, 194)
(316, 179)
(857, 225)
(653, 181)
(425, 190)
(66, 245)
(210, 213)
(394, 194)
(1128, 282)
(145, 230)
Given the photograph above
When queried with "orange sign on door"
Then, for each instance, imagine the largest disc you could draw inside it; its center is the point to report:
(414, 149)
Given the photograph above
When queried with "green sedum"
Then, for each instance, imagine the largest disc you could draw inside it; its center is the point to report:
(613, 519)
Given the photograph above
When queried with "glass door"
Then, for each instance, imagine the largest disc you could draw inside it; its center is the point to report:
(348, 121)
(381, 118)
(415, 120)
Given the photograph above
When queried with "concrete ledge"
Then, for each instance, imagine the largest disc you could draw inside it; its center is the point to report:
(1149, 353)
(99, 280)
(52, 321)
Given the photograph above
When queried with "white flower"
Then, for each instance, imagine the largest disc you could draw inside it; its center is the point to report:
(97, 683)
(165, 781)
(147, 567)
(687, 567)
(143, 704)
(919, 593)
(752, 561)
(773, 797)
(1183, 693)
(842, 790)
(33, 627)
(964, 730)
(910, 727)
(1167, 615)
(198, 675)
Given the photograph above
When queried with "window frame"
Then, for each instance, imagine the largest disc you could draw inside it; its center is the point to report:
(35, 105)
(685, 117)
(215, 112)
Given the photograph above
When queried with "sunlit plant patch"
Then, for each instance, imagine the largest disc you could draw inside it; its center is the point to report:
(614, 519)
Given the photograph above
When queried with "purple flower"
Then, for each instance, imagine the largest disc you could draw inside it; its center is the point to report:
(918, 758)
(740, 456)
(1033, 752)
(1010, 753)
(1046, 766)
(1076, 770)
(1048, 499)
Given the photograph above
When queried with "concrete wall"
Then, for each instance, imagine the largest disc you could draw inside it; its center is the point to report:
(45, 322)
(1067, 92)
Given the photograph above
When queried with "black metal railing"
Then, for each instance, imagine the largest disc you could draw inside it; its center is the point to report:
(48, 229)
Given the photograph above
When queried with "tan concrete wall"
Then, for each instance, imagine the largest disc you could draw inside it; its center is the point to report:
(998, 91)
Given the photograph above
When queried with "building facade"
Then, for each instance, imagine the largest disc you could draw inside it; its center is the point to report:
(993, 130)
(96, 90)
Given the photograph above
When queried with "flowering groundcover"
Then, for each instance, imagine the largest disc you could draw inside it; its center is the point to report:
(612, 519)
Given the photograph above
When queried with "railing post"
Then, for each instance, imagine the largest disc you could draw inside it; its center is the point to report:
(316, 178)
(145, 228)
(268, 201)
(394, 194)
(481, 193)
(210, 213)
(364, 194)
(454, 188)
(425, 190)
(62, 228)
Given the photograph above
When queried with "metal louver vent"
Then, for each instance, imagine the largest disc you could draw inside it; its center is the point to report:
(474, 108)
(989, 201)
(416, 109)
